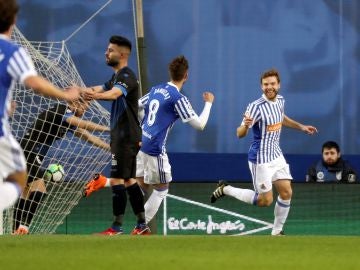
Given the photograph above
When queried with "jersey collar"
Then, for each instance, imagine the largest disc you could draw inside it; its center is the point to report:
(268, 100)
(170, 83)
(2, 36)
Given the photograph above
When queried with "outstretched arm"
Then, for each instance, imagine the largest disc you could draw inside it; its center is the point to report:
(97, 92)
(84, 124)
(86, 136)
(288, 122)
(46, 88)
(199, 122)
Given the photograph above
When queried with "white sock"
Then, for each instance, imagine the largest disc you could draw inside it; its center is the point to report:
(9, 193)
(245, 195)
(281, 211)
(153, 203)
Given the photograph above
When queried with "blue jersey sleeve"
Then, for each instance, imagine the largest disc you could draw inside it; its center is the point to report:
(184, 109)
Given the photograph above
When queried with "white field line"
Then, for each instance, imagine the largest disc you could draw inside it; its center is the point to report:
(266, 227)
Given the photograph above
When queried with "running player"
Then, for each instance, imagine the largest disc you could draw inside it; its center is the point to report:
(16, 66)
(266, 162)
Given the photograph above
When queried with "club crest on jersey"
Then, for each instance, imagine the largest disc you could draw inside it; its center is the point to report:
(274, 127)
(320, 175)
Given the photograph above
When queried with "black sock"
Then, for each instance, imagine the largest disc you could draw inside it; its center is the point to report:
(31, 206)
(136, 198)
(18, 212)
(119, 203)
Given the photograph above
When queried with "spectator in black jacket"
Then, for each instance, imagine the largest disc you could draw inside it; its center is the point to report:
(331, 168)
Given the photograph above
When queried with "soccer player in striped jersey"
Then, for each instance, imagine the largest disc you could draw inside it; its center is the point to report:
(267, 164)
(163, 105)
(16, 66)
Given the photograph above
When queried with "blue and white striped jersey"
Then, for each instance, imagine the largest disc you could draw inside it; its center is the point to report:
(163, 105)
(267, 122)
(15, 66)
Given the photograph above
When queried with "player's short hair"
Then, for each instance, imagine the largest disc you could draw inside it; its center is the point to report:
(270, 73)
(178, 68)
(120, 41)
(329, 145)
(8, 11)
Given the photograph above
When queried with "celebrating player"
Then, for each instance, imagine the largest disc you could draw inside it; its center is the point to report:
(266, 161)
(163, 105)
(16, 66)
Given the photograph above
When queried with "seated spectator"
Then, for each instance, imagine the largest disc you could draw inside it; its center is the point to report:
(331, 168)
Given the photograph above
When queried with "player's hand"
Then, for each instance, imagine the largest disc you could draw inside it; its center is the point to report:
(247, 120)
(309, 129)
(72, 93)
(208, 97)
(12, 108)
(88, 93)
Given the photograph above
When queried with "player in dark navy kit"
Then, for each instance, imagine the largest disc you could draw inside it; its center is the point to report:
(163, 105)
(51, 125)
(123, 90)
(331, 168)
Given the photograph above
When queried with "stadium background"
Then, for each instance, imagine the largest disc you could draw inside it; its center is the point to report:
(314, 44)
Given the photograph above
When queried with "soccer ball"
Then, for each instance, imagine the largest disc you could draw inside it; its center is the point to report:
(54, 173)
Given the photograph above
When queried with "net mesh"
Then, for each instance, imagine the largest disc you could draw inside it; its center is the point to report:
(80, 159)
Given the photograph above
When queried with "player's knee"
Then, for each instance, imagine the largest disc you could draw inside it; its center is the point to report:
(161, 193)
(286, 194)
(264, 200)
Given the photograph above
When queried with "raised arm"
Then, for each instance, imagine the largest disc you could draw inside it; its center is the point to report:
(199, 122)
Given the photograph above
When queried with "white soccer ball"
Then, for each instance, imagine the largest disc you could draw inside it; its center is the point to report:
(54, 173)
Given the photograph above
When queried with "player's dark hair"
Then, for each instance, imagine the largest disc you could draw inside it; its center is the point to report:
(329, 145)
(270, 73)
(178, 68)
(8, 11)
(120, 41)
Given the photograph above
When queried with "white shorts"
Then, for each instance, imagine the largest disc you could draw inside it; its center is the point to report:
(157, 169)
(266, 173)
(140, 164)
(12, 158)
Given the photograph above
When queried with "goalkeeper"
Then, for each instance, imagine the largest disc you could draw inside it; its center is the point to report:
(50, 126)
(16, 66)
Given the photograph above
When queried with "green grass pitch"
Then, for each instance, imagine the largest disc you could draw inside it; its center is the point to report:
(178, 252)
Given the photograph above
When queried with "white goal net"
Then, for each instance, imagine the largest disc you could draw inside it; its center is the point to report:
(79, 158)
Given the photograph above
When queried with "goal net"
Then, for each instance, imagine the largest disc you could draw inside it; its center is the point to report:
(79, 158)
